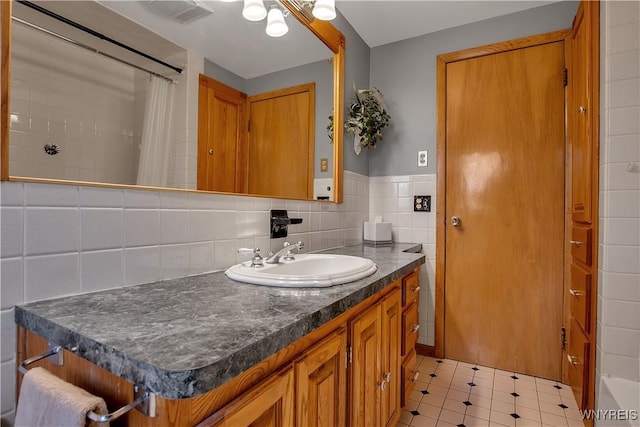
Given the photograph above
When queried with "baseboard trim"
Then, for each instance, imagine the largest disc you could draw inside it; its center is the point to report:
(425, 350)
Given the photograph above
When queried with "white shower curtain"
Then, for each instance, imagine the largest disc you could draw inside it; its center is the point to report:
(153, 168)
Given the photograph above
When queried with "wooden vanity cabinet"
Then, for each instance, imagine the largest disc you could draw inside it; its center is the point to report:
(410, 327)
(348, 371)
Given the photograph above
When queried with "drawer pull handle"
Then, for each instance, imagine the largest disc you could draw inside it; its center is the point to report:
(575, 242)
(415, 377)
(573, 361)
(575, 292)
(415, 328)
(416, 289)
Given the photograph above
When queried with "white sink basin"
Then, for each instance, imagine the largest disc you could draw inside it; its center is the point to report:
(306, 271)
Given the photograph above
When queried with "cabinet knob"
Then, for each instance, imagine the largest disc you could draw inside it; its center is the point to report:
(575, 242)
(573, 361)
(416, 289)
(386, 379)
(582, 110)
(414, 328)
(575, 292)
(415, 377)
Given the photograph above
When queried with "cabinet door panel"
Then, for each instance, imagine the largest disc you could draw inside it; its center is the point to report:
(578, 358)
(366, 369)
(321, 382)
(270, 404)
(391, 326)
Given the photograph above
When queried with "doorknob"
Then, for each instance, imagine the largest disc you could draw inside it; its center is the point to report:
(455, 221)
(210, 150)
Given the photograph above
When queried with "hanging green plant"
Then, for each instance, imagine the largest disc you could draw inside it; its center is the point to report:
(330, 128)
(367, 117)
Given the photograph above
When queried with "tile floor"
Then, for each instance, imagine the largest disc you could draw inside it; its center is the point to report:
(450, 394)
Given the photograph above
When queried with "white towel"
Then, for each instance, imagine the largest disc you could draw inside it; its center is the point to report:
(48, 401)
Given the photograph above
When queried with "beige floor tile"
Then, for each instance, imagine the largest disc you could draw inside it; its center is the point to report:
(405, 417)
(437, 389)
(526, 392)
(505, 408)
(483, 402)
(463, 375)
(483, 382)
(553, 420)
(445, 424)
(460, 396)
(478, 412)
(525, 422)
(452, 417)
(546, 388)
(422, 421)
(496, 425)
(573, 414)
(399, 424)
(503, 396)
(441, 381)
(551, 408)
(549, 398)
(454, 405)
(509, 388)
(575, 423)
(483, 391)
(525, 385)
(448, 362)
(460, 386)
(526, 378)
(470, 421)
(526, 402)
(415, 395)
(411, 405)
(502, 418)
(484, 373)
(466, 365)
(433, 399)
(544, 381)
(503, 379)
(529, 413)
(500, 372)
(421, 383)
(429, 410)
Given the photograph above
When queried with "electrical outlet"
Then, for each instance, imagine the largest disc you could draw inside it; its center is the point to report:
(422, 203)
(324, 165)
(422, 158)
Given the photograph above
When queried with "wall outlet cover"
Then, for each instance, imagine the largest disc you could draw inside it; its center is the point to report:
(422, 203)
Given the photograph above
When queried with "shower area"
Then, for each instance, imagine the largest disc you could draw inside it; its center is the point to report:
(84, 116)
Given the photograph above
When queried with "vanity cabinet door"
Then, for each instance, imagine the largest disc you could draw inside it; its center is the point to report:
(391, 358)
(269, 404)
(321, 383)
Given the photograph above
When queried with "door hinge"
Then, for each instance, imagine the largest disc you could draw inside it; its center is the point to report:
(563, 336)
(349, 355)
(565, 77)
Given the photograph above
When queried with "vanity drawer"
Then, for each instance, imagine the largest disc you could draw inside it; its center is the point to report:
(581, 244)
(409, 377)
(578, 359)
(410, 327)
(580, 296)
(410, 288)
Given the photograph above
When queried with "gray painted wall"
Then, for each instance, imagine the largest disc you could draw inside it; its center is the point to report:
(356, 70)
(405, 72)
(225, 76)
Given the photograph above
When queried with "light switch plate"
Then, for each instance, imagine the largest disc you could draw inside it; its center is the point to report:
(422, 158)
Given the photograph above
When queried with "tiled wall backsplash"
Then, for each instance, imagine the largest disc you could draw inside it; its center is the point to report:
(619, 251)
(392, 199)
(61, 240)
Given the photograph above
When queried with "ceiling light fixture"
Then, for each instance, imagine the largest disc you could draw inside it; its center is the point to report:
(276, 25)
(254, 10)
(324, 10)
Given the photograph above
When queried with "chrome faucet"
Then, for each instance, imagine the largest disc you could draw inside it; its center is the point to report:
(285, 251)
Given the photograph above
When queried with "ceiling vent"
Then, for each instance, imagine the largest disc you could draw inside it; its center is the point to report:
(183, 11)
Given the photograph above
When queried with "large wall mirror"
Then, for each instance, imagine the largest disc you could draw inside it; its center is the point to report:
(213, 104)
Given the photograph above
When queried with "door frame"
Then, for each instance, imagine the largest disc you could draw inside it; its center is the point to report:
(441, 102)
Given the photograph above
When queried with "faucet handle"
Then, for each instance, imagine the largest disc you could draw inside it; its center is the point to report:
(256, 261)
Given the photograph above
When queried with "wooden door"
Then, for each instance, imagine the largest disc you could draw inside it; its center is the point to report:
(222, 137)
(269, 404)
(505, 183)
(321, 383)
(281, 151)
(365, 376)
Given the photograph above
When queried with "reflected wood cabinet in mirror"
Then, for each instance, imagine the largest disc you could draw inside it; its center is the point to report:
(235, 179)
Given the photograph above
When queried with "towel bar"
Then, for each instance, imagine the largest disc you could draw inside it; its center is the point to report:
(144, 401)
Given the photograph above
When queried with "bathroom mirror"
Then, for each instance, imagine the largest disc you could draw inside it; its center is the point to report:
(101, 159)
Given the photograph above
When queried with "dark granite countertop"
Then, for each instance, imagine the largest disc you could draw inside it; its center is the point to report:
(184, 337)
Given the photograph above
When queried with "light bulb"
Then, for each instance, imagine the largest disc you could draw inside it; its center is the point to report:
(254, 10)
(324, 10)
(276, 25)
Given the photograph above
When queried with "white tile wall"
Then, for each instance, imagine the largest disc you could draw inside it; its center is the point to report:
(392, 199)
(87, 112)
(618, 341)
(60, 240)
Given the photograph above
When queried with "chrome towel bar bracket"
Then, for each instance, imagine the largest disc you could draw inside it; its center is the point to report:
(144, 401)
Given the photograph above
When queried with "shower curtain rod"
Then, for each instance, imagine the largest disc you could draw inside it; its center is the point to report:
(89, 48)
(95, 33)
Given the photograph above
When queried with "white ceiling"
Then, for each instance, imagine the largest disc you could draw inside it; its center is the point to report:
(380, 22)
(242, 47)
